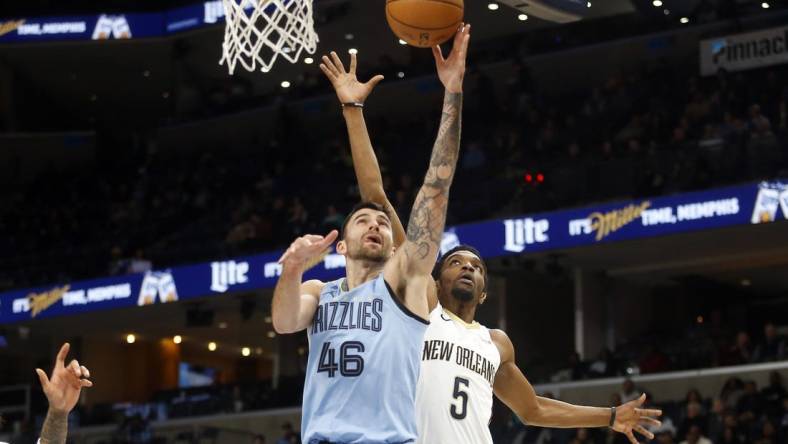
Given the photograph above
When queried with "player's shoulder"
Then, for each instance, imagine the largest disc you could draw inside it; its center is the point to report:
(502, 343)
(312, 287)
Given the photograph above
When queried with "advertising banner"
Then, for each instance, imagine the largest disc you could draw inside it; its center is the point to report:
(639, 219)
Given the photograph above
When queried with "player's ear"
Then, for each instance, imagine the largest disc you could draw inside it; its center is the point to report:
(342, 247)
(482, 297)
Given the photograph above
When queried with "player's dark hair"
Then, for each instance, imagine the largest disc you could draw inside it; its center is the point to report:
(436, 270)
(358, 207)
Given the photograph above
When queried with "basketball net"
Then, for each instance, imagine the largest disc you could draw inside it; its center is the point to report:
(257, 32)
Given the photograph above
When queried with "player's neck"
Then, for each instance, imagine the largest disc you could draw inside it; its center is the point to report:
(359, 271)
(463, 310)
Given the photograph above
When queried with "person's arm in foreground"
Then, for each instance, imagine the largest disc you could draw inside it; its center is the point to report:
(62, 390)
(516, 392)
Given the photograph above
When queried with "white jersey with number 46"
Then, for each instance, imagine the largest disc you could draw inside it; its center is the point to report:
(454, 396)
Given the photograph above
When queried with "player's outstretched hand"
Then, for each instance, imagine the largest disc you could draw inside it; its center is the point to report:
(62, 389)
(451, 70)
(630, 417)
(305, 249)
(347, 86)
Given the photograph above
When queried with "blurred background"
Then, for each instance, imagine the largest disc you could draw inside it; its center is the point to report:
(621, 174)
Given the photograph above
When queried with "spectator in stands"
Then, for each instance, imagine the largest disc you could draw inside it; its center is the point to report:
(629, 391)
(289, 436)
(575, 370)
(740, 352)
(731, 422)
(772, 348)
(694, 418)
(749, 406)
(582, 437)
(664, 438)
(760, 126)
(768, 434)
(773, 396)
(695, 436)
(716, 420)
(604, 366)
(692, 396)
(729, 437)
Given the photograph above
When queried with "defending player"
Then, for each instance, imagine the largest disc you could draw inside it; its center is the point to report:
(366, 330)
(464, 363)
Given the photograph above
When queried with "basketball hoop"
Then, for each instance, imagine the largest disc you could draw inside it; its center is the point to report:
(257, 32)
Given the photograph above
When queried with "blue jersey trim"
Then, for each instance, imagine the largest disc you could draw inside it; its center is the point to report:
(403, 307)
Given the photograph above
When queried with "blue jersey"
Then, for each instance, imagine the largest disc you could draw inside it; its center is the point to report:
(364, 358)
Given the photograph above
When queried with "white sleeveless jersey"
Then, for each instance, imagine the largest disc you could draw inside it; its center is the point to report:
(454, 395)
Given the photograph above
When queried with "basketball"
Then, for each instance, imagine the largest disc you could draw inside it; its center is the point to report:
(424, 23)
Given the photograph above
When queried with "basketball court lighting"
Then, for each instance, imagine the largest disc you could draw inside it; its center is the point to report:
(666, 12)
(177, 339)
(588, 5)
(657, 3)
(401, 75)
(271, 334)
(352, 51)
(285, 84)
(223, 325)
(765, 5)
(492, 6)
(349, 36)
(246, 351)
(130, 338)
(309, 60)
(522, 17)
(402, 42)
(212, 346)
(684, 20)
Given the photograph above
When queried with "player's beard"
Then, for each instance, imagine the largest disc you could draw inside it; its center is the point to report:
(359, 253)
(461, 294)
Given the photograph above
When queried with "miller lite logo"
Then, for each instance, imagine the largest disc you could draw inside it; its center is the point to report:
(523, 232)
(228, 273)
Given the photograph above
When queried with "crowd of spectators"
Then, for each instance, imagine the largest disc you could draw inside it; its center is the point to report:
(702, 346)
(740, 413)
(652, 132)
(645, 131)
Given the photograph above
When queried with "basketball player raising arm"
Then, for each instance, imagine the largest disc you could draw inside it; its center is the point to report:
(62, 391)
(352, 94)
(366, 330)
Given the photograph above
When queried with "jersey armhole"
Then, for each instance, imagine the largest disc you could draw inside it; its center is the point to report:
(402, 306)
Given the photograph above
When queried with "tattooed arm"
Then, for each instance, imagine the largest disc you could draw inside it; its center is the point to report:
(409, 271)
(62, 391)
(350, 90)
(55, 428)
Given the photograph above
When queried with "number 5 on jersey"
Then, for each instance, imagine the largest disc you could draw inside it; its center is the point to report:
(462, 396)
(349, 364)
